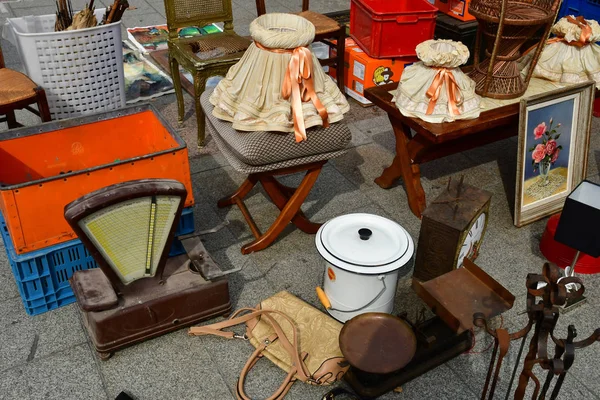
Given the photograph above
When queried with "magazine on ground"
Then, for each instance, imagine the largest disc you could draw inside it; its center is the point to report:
(143, 80)
(152, 38)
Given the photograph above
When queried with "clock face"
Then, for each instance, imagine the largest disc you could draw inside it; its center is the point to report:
(472, 242)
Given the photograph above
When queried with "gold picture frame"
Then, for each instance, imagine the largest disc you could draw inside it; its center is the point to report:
(554, 138)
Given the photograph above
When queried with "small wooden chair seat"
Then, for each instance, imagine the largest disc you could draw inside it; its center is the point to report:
(264, 155)
(323, 24)
(18, 92)
(15, 86)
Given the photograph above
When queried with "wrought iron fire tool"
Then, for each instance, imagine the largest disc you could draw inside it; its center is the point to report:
(543, 315)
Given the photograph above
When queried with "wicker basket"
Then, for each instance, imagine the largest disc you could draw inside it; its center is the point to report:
(507, 28)
(536, 12)
(81, 70)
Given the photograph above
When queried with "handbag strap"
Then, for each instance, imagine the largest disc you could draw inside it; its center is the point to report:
(256, 355)
(215, 329)
(291, 348)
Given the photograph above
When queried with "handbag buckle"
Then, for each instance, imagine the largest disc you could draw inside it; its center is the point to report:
(243, 337)
(313, 381)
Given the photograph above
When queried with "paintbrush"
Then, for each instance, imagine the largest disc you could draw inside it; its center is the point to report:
(64, 15)
(115, 12)
(84, 18)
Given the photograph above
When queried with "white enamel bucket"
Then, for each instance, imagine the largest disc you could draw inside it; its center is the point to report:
(364, 254)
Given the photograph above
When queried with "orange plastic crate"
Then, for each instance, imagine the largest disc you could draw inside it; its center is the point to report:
(45, 167)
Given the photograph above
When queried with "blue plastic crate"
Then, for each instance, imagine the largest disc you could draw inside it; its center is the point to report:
(590, 9)
(42, 276)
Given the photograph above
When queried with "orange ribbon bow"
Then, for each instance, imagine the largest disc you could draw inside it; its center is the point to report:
(586, 29)
(586, 33)
(298, 86)
(444, 75)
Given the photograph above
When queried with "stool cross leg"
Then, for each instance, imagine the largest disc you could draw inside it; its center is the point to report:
(287, 199)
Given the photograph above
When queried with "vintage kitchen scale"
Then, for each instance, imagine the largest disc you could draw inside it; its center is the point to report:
(386, 351)
(138, 292)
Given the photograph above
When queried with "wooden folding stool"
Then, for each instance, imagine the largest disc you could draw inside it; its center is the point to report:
(265, 155)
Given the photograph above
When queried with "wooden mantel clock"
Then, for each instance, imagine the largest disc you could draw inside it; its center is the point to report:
(452, 228)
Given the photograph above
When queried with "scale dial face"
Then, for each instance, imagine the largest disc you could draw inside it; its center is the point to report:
(472, 241)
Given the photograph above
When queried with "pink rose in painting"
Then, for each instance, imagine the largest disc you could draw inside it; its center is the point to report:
(539, 153)
(539, 130)
(555, 156)
(551, 146)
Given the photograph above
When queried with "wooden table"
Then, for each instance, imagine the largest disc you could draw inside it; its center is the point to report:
(433, 141)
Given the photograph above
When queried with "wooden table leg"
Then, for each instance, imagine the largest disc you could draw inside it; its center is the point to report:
(403, 167)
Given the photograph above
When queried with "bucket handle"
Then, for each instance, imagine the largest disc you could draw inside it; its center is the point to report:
(327, 304)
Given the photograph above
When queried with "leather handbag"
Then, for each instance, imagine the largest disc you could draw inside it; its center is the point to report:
(294, 335)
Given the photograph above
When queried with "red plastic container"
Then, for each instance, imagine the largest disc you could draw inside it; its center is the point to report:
(391, 28)
(563, 255)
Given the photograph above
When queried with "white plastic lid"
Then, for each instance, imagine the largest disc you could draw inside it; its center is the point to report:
(364, 243)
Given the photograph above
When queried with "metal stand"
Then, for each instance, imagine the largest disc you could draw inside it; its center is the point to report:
(543, 315)
(572, 303)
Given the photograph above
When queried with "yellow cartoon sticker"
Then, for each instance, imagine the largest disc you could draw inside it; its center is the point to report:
(382, 76)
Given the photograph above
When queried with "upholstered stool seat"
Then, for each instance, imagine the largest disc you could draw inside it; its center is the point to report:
(264, 155)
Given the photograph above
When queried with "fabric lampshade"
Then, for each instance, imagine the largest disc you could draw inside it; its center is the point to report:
(278, 84)
(579, 223)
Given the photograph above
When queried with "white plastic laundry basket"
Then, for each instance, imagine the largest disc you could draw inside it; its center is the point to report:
(81, 70)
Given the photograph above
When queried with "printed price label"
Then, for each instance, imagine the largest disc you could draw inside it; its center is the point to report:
(359, 87)
(359, 70)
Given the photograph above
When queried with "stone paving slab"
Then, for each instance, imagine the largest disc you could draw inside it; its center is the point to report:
(27, 338)
(68, 374)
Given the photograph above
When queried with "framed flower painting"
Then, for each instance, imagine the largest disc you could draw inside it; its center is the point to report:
(554, 133)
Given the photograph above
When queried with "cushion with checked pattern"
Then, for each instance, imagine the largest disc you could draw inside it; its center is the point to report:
(260, 148)
(244, 168)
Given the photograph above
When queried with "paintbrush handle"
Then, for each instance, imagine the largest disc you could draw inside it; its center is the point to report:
(113, 10)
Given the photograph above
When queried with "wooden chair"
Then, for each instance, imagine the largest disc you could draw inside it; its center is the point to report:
(263, 156)
(222, 50)
(326, 30)
(18, 92)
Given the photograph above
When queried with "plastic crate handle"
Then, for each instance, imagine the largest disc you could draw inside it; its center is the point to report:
(407, 19)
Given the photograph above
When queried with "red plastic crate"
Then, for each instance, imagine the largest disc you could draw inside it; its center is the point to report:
(391, 29)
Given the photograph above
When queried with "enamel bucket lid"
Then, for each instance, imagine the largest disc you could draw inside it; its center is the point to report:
(364, 244)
